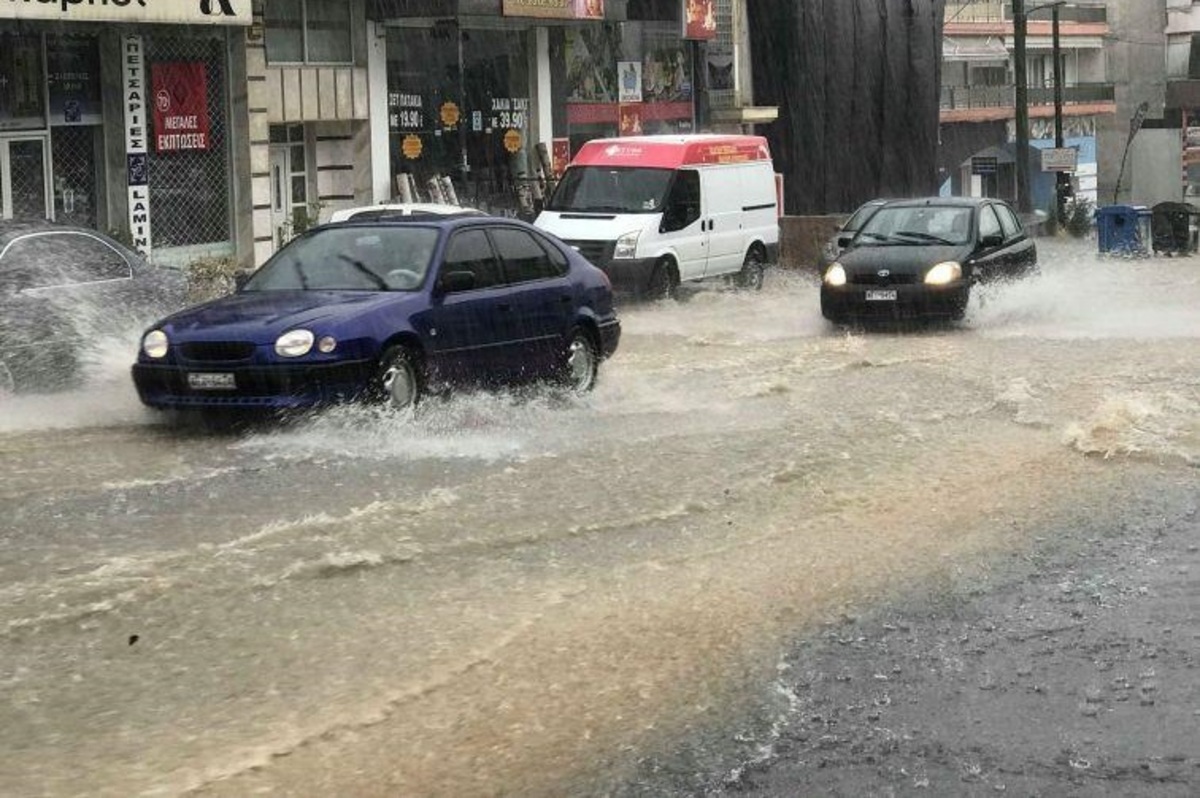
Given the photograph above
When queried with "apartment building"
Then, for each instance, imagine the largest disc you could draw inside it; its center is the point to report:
(978, 95)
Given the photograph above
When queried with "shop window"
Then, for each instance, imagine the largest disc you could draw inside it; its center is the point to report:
(308, 31)
(462, 113)
(22, 91)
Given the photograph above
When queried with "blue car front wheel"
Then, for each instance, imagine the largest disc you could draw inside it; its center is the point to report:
(398, 381)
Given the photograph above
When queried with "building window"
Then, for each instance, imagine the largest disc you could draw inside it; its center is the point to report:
(308, 31)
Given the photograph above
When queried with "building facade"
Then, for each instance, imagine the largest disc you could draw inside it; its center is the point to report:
(978, 96)
(278, 112)
(119, 117)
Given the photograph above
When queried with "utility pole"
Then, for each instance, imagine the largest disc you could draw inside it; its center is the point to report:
(1024, 203)
(1061, 179)
(1020, 25)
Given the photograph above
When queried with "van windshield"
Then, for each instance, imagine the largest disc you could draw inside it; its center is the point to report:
(611, 189)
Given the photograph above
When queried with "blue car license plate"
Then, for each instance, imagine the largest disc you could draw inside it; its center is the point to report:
(211, 381)
(888, 295)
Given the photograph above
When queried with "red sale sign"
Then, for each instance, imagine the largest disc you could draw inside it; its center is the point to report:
(180, 92)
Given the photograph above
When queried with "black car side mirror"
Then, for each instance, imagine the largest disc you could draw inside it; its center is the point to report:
(994, 240)
(454, 282)
(844, 239)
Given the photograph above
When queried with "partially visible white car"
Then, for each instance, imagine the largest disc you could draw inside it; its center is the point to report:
(370, 213)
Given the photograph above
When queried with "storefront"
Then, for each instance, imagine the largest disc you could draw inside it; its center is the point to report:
(119, 127)
(484, 103)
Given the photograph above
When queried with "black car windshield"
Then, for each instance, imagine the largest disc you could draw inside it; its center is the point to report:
(611, 190)
(354, 257)
(919, 224)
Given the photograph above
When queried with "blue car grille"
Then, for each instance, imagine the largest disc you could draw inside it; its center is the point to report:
(216, 351)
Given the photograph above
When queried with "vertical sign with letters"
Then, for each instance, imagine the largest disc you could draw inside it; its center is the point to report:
(133, 69)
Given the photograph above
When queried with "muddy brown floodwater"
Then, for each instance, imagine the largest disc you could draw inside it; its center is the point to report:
(679, 584)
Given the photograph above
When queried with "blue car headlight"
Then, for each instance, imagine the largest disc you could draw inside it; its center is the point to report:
(294, 343)
(155, 344)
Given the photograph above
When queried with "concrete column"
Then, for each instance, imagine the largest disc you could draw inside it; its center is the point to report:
(381, 161)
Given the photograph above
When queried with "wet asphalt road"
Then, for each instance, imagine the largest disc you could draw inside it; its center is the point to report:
(688, 582)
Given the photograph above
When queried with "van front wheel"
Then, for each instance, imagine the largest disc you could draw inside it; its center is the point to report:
(662, 281)
(751, 275)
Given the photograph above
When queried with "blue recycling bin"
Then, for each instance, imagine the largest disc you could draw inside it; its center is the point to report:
(1123, 229)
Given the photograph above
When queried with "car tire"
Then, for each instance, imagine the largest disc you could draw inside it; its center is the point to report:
(8, 385)
(581, 363)
(750, 278)
(399, 382)
(662, 281)
(959, 311)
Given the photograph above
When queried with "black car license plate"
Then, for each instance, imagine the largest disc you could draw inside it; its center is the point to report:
(211, 381)
(888, 295)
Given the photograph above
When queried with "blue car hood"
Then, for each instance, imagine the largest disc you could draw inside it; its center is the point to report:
(261, 316)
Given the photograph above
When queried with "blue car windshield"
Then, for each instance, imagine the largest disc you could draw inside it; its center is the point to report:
(917, 224)
(350, 258)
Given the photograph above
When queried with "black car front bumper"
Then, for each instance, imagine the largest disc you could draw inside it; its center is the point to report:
(912, 301)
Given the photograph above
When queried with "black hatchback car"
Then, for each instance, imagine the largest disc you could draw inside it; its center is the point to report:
(919, 258)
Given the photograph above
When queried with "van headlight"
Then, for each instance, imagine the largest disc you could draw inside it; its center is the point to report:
(294, 343)
(835, 275)
(155, 344)
(943, 273)
(627, 246)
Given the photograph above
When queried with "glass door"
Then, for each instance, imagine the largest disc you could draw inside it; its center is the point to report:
(25, 178)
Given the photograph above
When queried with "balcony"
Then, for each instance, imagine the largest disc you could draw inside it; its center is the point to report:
(965, 97)
(996, 11)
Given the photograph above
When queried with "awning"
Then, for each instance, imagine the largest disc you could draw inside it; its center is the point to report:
(974, 49)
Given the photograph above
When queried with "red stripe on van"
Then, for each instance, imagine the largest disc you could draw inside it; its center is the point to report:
(672, 152)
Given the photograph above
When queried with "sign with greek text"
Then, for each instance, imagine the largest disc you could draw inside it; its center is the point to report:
(180, 94)
(187, 12)
(133, 71)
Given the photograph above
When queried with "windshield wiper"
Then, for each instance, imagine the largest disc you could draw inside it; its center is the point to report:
(299, 267)
(362, 267)
(876, 236)
(922, 236)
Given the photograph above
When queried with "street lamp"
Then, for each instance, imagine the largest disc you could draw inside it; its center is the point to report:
(1020, 18)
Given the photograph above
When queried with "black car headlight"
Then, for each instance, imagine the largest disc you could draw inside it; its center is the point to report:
(944, 273)
(835, 275)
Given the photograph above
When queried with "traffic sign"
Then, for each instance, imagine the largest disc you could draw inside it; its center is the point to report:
(984, 165)
(1060, 159)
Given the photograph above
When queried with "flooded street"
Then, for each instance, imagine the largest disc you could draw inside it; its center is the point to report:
(527, 595)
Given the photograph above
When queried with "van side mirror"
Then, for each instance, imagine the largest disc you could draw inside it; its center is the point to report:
(455, 282)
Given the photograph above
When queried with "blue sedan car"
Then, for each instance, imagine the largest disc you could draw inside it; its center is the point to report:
(387, 311)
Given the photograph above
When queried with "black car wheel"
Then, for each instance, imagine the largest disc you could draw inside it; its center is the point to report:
(581, 365)
(662, 281)
(751, 275)
(398, 380)
(8, 386)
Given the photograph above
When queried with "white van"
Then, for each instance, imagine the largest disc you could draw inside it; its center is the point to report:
(654, 211)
